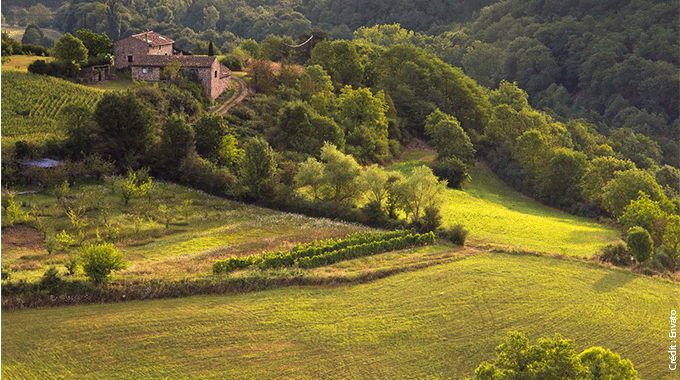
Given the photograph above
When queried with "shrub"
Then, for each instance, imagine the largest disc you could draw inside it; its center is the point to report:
(640, 244)
(456, 234)
(432, 219)
(615, 253)
(50, 279)
(72, 265)
(452, 169)
(233, 62)
(100, 260)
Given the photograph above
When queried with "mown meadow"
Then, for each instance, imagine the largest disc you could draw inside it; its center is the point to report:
(496, 214)
(438, 322)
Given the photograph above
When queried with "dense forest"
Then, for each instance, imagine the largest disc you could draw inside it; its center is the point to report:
(573, 103)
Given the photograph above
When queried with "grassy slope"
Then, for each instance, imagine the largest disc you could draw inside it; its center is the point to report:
(495, 213)
(440, 321)
(31, 104)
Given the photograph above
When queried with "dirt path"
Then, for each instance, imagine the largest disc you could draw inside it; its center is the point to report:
(240, 93)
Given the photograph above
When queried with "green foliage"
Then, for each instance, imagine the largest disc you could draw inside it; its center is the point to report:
(363, 117)
(258, 167)
(420, 190)
(341, 174)
(100, 260)
(96, 44)
(50, 279)
(562, 176)
(600, 171)
(177, 137)
(456, 234)
(453, 170)
(448, 138)
(639, 244)
(606, 365)
(13, 210)
(64, 240)
(645, 213)
(550, 358)
(133, 187)
(304, 130)
(625, 187)
(128, 126)
(671, 236)
(615, 253)
(70, 49)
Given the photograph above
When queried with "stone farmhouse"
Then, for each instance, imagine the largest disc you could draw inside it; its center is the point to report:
(147, 53)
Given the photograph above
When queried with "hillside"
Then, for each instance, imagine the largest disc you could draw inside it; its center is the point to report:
(439, 322)
(31, 104)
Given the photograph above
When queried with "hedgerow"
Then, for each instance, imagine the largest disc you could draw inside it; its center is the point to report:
(317, 254)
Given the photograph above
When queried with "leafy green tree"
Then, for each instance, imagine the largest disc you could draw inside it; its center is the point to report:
(533, 154)
(70, 49)
(32, 36)
(384, 35)
(341, 174)
(420, 190)
(251, 47)
(81, 130)
(549, 359)
(374, 181)
(258, 167)
(96, 44)
(340, 60)
(177, 136)
(127, 124)
(482, 62)
(303, 130)
(363, 116)
(230, 153)
(448, 138)
(600, 171)
(312, 81)
(625, 187)
(606, 365)
(559, 182)
(640, 149)
(671, 236)
(647, 214)
(209, 130)
(100, 260)
(639, 244)
(310, 173)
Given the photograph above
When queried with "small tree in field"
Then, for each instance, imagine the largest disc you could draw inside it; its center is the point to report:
(640, 244)
(100, 260)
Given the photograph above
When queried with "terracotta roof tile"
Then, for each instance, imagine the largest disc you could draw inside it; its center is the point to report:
(153, 38)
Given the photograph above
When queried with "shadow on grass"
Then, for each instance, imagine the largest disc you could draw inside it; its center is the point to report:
(612, 281)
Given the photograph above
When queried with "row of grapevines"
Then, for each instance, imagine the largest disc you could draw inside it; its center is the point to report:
(366, 249)
(316, 249)
(31, 103)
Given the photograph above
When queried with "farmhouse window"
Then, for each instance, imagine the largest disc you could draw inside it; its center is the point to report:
(215, 73)
(129, 58)
(144, 70)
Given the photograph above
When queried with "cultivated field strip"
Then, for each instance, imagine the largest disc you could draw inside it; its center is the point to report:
(31, 103)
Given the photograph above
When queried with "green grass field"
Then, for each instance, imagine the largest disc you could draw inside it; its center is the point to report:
(494, 213)
(438, 322)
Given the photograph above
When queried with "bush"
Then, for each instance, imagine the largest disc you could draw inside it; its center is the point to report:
(50, 279)
(100, 260)
(456, 234)
(452, 169)
(640, 244)
(431, 220)
(615, 253)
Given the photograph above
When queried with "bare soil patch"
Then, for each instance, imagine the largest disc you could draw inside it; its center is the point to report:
(23, 237)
